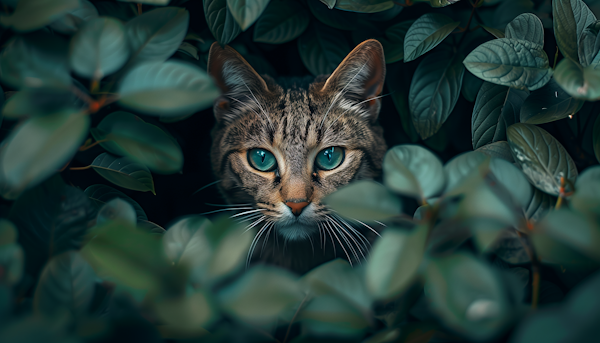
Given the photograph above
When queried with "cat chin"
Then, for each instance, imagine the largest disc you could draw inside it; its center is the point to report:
(296, 231)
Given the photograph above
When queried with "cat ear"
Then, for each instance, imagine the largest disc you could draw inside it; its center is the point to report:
(238, 81)
(360, 77)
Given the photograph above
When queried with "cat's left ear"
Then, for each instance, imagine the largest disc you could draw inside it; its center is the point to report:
(360, 77)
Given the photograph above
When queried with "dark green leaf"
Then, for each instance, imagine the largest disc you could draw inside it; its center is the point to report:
(99, 48)
(426, 33)
(494, 32)
(438, 3)
(171, 88)
(12, 261)
(596, 138)
(101, 194)
(66, 283)
(35, 60)
(150, 2)
(220, 21)
(119, 10)
(413, 171)
(571, 17)
(510, 62)
(70, 22)
(509, 247)
(496, 108)
(500, 149)
(589, 44)
(41, 146)
(526, 26)
(461, 166)
(35, 329)
(541, 157)
(322, 48)
(513, 180)
(434, 90)
(364, 200)
(156, 35)
(586, 198)
(393, 43)
(395, 260)
(281, 22)
(8, 232)
(579, 82)
(338, 19)
(245, 12)
(539, 206)
(549, 103)
(116, 209)
(30, 15)
(362, 6)
(329, 3)
(130, 136)
(124, 172)
(330, 316)
(31, 102)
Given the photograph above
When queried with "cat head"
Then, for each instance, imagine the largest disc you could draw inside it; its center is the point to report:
(280, 146)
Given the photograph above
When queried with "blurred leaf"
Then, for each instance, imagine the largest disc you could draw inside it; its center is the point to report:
(186, 315)
(30, 15)
(362, 6)
(589, 44)
(35, 60)
(468, 297)
(124, 172)
(220, 21)
(281, 22)
(66, 283)
(549, 103)
(526, 26)
(364, 200)
(413, 171)
(579, 82)
(338, 19)
(586, 198)
(170, 88)
(152, 228)
(322, 48)
(12, 261)
(260, 294)
(31, 102)
(99, 48)
(541, 157)
(116, 209)
(185, 242)
(510, 62)
(434, 90)
(426, 33)
(41, 146)
(461, 166)
(395, 260)
(596, 138)
(8, 232)
(330, 316)
(150, 2)
(471, 86)
(245, 12)
(540, 204)
(35, 329)
(128, 135)
(393, 43)
(156, 35)
(496, 108)
(71, 21)
(438, 3)
(513, 179)
(329, 3)
(500, 149)
(571, 17)
(119, 10)
(509, 247)
(102, 194)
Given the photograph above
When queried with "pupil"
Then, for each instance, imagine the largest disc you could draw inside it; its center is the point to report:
(262, 155)
(328, 153)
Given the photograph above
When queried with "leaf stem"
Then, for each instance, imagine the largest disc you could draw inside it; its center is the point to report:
(89, 146)
(535, 269)
(287, 333)
(555, 58)
(139, 8)
(81, 168)
(561, 193)
(462, 38)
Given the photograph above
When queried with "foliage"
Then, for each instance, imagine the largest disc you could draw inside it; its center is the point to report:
(479, 240)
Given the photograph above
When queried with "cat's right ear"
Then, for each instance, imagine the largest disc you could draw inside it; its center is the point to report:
(238, 81)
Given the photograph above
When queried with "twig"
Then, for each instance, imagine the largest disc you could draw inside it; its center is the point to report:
(139, 8)
(555, 58)
(287, 333)
(467, 26)
(86, 146)
(561, 193)
(535, 268)
(80, 168)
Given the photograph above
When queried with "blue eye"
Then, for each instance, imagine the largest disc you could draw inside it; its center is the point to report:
(330, 158)
(262, 160)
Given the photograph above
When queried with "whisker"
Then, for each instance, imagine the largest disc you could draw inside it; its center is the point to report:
(249, 227)
(246, 212)
(343, 233)
(380, 223)
(226, 209)
(271, 225)
(226, 205)
(338, 239)
(368, 227)
(259, 105)
(253, 245)
(364, 241)
(250, 217)
(311, 245)
(204, 187)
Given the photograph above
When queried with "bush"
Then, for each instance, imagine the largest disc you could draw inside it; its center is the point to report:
(485, 231)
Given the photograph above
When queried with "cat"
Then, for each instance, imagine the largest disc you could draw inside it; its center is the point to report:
(279, 146)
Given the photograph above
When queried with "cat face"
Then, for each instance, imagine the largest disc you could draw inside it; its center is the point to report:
(280, 147)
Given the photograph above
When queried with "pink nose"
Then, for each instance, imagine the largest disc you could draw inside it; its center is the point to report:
(297, 207)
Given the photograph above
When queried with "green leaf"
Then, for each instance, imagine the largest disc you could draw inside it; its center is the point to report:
(41, 146)
(171, 88)
(8, 232)
(101, 194)
(145, 143)
(330, 316)
(513, 180)
(539, 206)
(596, 138)
(364, 200)
(116, 209)
(35, 60)
(66, 283)
(261, 294)
(245, 12)
(185, 242)
(124, 172)
(281, 22)
(31, 102)
(413, 171)
(438, 3)
(500, 149)
(393, 43)
(496, 108)
(549, 103)
(494, 32)
(362, 6)
(395, 260)
(99, 48)
(581, 83)
(468, 296)
(12, 261)
(156, 35)
(510, 62)
(30, 15)
(329, 3)
(434, 90)
(119, 10)
(586, 198)
(426, 33)
(220, 21)
(526, 26)
(150, 2)
(541, 157)
(322, 49)
(571, 17)
(589, 44)
(338, 19)
(461, 166)
(71, 21)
